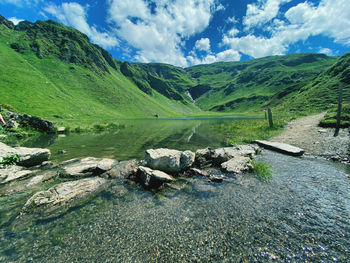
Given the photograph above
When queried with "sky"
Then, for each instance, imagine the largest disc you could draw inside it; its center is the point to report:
(190, 32)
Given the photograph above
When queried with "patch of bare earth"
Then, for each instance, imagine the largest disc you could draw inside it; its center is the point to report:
(306, 134)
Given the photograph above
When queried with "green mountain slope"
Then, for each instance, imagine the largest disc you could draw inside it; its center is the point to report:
(251, 85)
(48, 69)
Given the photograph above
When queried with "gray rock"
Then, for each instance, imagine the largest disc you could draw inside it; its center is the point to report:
(281, 147)
(198, 172)
(12, 173)
(217, 178)
(27, 156)
(203, 157)
(61, 129)
(152, 178)
(238, 164)
(64, 194)
(187, 159)
(168, 160)
(87, 167)
(122, 170)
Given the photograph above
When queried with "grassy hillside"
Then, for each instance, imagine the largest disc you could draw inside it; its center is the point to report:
(77, 81)
(252, 85)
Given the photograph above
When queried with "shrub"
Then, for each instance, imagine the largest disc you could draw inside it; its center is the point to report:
(10, 159)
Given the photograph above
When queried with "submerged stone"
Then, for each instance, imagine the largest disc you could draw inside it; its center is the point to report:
(62, 195)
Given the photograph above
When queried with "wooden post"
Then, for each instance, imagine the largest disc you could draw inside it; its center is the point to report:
(269, 113)
(340, 100)
(265, 115)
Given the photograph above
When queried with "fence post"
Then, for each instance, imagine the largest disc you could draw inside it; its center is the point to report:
(269, 113)
(265, 115)
(340, 100)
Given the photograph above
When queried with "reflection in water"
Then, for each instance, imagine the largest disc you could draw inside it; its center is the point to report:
(138, 136)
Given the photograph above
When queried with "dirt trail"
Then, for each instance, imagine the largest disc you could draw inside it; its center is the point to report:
(306, 134)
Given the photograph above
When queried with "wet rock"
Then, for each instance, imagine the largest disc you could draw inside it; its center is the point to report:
(203, 157)
(87, 167)
(217, 178)
(238, 164)
(168, 160)
(221, 155)
(64, 194)
(152, 178)
(37, 123)
(122, 170)
(27, 156)
(64, 163)
(12, 173)
(198, 172)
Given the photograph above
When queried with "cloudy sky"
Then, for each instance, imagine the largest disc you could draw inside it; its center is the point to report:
(190, 32)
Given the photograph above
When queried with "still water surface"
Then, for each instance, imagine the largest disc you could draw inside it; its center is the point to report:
(301, 215)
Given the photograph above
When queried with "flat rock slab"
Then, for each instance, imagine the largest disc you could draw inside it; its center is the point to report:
(87, 167)
(13, 173)
(27, 156)
(237, 165)
(152, 178)
(281, 148)
(63, 194)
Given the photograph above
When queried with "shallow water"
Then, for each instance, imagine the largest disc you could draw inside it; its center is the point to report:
(138, 136)
(302, 214)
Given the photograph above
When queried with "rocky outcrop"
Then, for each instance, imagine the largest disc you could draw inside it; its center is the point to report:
(238, 165)
(168, 160)
(87, 167)
(64, 194)
(122, 170)
(152, 178)
(27, 156)
(32, 121)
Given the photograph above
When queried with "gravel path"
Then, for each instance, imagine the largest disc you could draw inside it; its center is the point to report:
(306, 134)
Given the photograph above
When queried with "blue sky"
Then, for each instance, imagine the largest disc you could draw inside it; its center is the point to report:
(190, 32)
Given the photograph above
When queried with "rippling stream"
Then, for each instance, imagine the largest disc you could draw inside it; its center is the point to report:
(301, 215)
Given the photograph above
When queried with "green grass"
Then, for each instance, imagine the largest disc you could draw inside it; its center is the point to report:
(247, 131)
(262, 170)
(330, 120)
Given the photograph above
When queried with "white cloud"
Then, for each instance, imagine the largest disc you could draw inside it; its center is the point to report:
(326, 51)
(159, 34)
(15, 20)
(262, 12)
(330, 18)
(74, 14)
(21, 3)
(227, 55)
(203, 45)
(220, 7)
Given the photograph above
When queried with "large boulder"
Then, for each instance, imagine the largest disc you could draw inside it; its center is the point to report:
(152, 178)
(27, 156)
(89, 166)
(203, 157)
(168, 160)
(238, 165)
(122, 170)
(64, 194)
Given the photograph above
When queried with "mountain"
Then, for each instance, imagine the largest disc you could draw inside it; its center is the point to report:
(53, 71)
